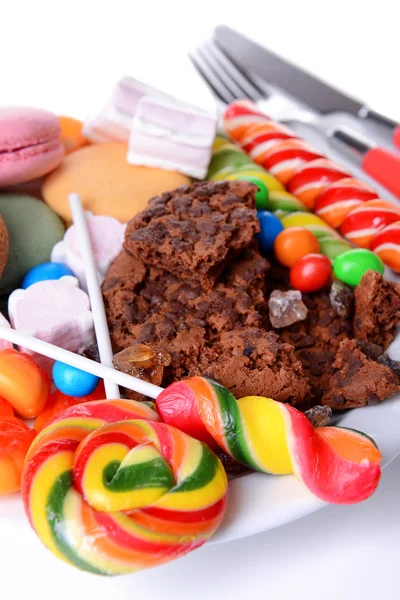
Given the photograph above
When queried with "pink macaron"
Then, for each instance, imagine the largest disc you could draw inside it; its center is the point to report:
(30, 144)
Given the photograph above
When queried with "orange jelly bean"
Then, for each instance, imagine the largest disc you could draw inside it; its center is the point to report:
(71, 134)
(23, 384)
(59, 402)
(15, 440)
(6, 410)
(293, 243)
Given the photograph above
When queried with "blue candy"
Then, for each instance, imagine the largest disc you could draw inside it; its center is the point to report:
(270, 229)
(73, 382)
(44, 272)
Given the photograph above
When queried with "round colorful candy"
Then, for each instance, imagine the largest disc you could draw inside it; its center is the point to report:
(386, 244)
(15, 440)
(270, 227)
(282, 203)
(363, 223)
(23, 384)
(351, 266)
(262, 194)
(311, 273)
(226, 159)
(312, 178)
(44, 272)
(6, 410)
(73, 382)
(293, 243)
(330, 241)
(337, 200)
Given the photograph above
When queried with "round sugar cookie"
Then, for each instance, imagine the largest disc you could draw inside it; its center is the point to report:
(33, 229)
(106, 182)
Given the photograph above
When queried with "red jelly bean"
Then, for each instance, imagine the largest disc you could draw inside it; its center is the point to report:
(59, 402)
(6, 410)
(22, 383)
(15, 440)
(311, 273)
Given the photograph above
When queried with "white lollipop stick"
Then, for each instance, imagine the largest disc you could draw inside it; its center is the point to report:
(80, 362)
(94, 291)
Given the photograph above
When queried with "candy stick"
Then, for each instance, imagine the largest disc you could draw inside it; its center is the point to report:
(94, 291)
(80, 362)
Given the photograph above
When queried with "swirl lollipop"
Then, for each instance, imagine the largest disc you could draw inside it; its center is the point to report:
(109, 489)
(338, 465)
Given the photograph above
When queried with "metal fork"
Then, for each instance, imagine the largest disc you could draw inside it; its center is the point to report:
(229, 82)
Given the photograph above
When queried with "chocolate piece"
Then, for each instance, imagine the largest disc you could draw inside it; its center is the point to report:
(341, 298)
(370, 350)
(393, 365)
(358, 381)
(143, 361)
(194, 231)
(286, 308)
(253, 362)
(377, 309)
(198, 329)
(316, 340)
(319, 415)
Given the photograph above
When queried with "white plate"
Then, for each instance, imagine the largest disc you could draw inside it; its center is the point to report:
(259, 502)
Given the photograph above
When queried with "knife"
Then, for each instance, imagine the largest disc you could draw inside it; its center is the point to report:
(310, 90)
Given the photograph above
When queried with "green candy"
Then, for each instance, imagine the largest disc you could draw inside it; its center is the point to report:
(283, 203)
(262, 195)
(226, 157)
(351, 266)
(331, 247)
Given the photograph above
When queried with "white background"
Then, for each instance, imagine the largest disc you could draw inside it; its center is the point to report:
(64, 57)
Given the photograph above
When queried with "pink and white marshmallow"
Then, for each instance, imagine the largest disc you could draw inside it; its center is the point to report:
(106, 235)
(55, 311)
(114, 121)
(172, 136)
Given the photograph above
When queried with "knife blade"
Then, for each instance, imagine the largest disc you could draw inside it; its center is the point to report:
(315, 93)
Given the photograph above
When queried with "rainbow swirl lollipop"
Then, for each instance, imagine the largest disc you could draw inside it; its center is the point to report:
(111, 490)
(338, 465)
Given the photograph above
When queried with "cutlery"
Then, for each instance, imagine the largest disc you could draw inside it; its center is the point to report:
(307, 88)
(230, 82)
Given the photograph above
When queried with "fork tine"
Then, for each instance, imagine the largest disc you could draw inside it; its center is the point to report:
(220, 72)
(219, 89)
(249, 88)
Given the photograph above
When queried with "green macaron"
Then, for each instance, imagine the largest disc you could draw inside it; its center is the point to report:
(33, 229)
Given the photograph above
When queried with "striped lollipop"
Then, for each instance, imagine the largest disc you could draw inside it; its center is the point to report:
(313, 178)
(386, 244)
(260, 137)
(239, 116)
(363, 223)
(284, 157)
(341, 197)
(109, 489)
(338, 465)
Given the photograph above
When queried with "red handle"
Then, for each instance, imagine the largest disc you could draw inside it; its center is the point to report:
(396, 137)
(384, 167)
